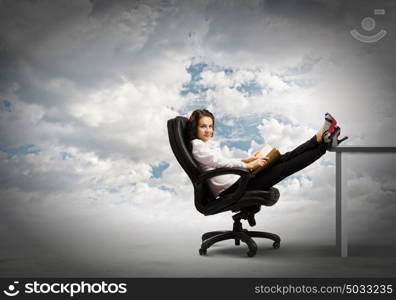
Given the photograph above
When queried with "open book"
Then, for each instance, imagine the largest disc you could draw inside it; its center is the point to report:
(271, 153)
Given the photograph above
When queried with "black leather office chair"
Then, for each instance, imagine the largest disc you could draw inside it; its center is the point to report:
(245, 203)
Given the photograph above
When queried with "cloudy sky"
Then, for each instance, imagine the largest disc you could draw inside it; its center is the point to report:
(86, 88)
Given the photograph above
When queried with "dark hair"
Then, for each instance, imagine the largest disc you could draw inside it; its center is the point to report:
(192, 125)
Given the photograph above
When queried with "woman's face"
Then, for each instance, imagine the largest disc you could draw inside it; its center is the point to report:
(205, 128)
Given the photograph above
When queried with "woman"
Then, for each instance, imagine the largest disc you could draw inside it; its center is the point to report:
(200, 130)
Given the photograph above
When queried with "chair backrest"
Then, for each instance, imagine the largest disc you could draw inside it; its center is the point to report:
(176, 132)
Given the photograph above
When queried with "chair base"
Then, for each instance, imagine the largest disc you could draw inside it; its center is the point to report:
(238, 234)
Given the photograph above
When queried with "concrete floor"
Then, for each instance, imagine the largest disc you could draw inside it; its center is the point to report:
(180, 258)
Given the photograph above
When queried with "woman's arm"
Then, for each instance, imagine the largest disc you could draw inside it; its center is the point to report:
(256, 163)
(209, 157)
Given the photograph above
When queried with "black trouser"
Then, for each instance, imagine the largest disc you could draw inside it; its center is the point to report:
(289, 163)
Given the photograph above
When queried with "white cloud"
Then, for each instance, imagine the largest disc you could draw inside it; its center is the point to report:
(285, 136)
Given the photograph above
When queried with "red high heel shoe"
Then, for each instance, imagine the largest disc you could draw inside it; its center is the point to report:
(334, 138)
(328, 128)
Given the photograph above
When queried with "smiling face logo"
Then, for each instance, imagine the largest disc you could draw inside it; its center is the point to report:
(368, 24)
(11, 290)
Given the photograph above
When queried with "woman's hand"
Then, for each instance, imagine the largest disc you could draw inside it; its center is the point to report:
(257, 163)
(248, 159)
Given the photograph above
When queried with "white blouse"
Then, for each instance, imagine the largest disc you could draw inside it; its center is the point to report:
(209, 158)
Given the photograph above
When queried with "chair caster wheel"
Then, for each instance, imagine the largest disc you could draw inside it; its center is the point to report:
(276, 245)
(251, 253)
(202, 251)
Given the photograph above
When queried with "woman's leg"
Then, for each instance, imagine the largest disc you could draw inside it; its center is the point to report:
(310, 144)
(290, 163)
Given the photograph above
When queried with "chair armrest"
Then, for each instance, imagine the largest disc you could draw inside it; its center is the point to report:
(245, 176)
(240, 189)
(222, 171)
